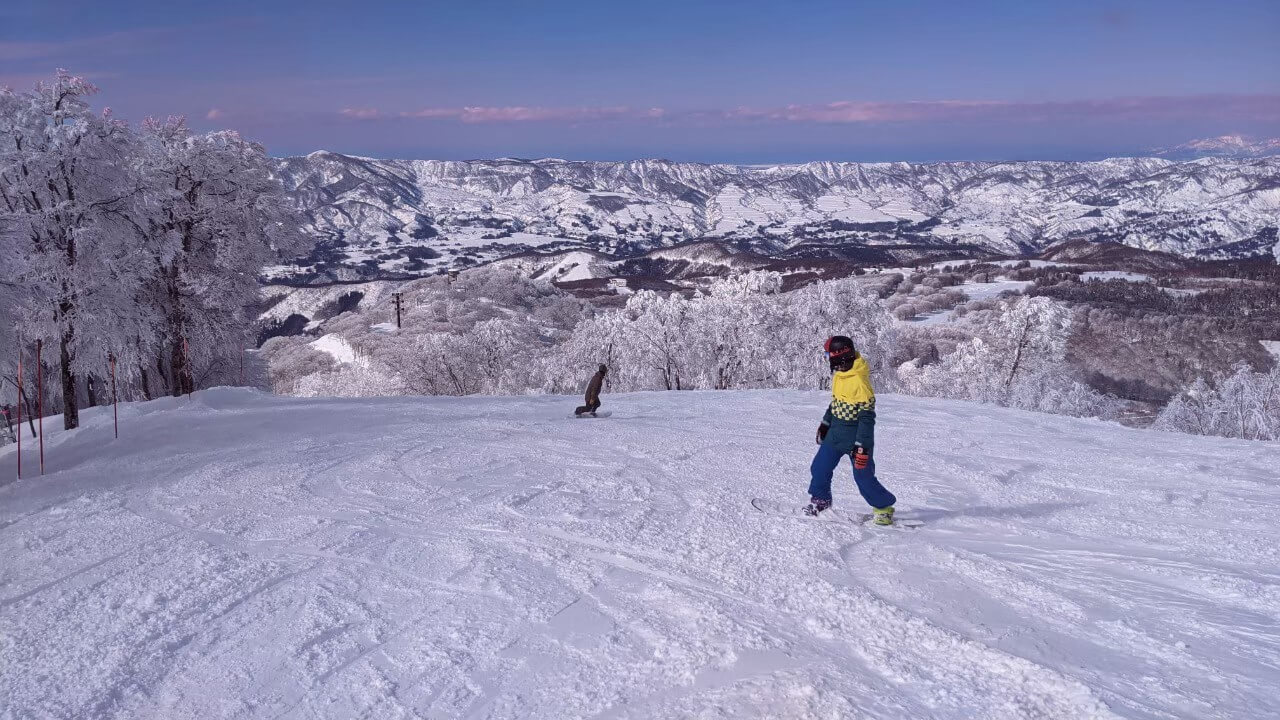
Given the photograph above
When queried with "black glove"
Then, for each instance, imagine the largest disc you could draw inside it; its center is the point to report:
(822, 432)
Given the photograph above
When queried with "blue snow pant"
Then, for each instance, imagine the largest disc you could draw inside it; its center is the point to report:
(824, 464)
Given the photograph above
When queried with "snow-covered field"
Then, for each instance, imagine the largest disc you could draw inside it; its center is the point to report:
(337, 348)
(242, 555)
(1115, 275)
(988, 290)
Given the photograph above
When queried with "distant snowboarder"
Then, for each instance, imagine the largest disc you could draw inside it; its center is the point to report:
(593, 394)
(848, 428)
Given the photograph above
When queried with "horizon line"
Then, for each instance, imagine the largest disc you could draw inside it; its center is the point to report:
(1174, 159)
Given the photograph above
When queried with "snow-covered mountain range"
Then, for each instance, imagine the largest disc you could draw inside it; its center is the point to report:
(400, 218)
(1223, 146)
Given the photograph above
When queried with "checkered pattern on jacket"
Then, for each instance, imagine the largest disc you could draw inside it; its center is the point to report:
(849, 411)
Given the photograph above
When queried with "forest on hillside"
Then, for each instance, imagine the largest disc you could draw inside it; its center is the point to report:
(494, 331)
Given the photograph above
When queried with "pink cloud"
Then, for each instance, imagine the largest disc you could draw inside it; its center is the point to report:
(519, 113)
(542, 114)
(429, 113)
(870, 112)
(215, 114)
(1262, 107)
(361, 113)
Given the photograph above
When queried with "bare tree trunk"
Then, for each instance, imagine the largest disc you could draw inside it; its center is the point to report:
(146, 382)
(91, 391)
(160, 373)
(70, 410)
(26, 402)
(31, 413)
(1017, 355)
(178, 366)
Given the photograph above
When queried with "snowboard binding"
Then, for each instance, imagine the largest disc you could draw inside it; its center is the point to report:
(816, 506)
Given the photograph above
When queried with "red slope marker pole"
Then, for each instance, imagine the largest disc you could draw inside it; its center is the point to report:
(19, 410)
(40, 400)
(115, 406)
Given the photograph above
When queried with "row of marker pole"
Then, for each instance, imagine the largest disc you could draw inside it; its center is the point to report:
(39, 404)
(115, 408)
(115, 401)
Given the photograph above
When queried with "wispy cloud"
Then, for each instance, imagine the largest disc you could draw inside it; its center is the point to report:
(26, 81)
(22, 81)
(215, 114)
(113, 43)
(852, 112)
(430, 113)
(864, 112)
(1258, 107)
(521, 113)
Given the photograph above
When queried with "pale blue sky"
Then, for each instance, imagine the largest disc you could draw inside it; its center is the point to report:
(742, 81)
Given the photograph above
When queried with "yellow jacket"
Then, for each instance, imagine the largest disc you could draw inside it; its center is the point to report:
(851, 418)
(851, 391)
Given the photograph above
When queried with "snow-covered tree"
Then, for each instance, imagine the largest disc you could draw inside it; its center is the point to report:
(1245, 404)
(71, 197)
(485, 360)
(117, 246)
(1029, 339)
(730, 331)
(358, 379)
(220, 217)
(741, 332)
(1017, 360)
(833, 307)
(655, 341)
(595, 340)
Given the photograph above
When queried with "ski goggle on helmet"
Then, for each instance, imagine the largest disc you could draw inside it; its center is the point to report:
(838, 347)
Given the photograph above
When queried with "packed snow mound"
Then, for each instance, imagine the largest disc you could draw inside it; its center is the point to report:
(241, 555)
(337, 347)
(573, 266)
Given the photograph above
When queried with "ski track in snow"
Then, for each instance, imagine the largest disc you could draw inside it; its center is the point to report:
(242, 555)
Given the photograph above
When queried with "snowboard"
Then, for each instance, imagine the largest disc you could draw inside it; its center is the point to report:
(832, 515)
(589, 416)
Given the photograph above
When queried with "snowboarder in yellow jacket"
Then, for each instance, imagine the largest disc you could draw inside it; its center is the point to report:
(848, 428)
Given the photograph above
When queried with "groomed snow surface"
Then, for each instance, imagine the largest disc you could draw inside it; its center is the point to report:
(248, 556)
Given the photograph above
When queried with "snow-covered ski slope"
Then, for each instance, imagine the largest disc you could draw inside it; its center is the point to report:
(248, 556)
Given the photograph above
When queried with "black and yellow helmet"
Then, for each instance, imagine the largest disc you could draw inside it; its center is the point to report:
(840, 352)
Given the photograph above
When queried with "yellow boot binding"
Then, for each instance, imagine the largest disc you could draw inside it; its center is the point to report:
(883, 516)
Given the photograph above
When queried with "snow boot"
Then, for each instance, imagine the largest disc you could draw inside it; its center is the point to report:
(816, 506)
(883, 516)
